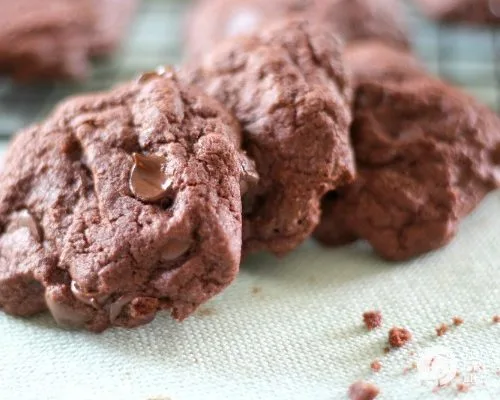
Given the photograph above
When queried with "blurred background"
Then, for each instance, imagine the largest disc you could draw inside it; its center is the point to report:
(468, 57)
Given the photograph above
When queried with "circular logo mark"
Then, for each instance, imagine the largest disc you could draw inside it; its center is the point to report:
(437, 365)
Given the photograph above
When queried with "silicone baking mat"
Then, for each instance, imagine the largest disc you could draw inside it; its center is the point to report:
(287, 329)
(466, 56)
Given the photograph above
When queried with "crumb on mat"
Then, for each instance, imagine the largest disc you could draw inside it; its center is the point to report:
(372, 319)
(463, 388)
(256, 290)
(376, 366)
(206, 312)
(398, 337)
(442, 329)
(362, 390)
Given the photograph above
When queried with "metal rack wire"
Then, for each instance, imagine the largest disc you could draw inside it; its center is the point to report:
(468, 57)
(154, 39)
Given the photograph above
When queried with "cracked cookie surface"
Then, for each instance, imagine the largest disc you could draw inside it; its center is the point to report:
(121, 204)
(288, 88)
(426, 155)
(210, 21)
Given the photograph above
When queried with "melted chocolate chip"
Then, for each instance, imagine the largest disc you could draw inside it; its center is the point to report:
(249, 175)
(148, 181)
(92, 299)
(147, 76)
(117, 307)
(143, 308)
(174, 249)
(23, 219)
(63, 314)
(162, 71)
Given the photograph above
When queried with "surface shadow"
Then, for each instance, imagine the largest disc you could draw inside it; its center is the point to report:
(314, 264)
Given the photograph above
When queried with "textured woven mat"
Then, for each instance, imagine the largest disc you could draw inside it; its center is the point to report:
(287, 329)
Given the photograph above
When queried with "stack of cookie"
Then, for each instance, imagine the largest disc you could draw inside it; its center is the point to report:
(146, 197)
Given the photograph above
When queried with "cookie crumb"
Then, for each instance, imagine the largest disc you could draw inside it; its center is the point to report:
(362, 390)
(372, 319)
(159, 398)
(206, 312)
(387, 350)
(256, 290)
(463, 388)
(376, 366)
(496, 319)
(457, 321)
(398, 337)
(442, 329)
(412, 367)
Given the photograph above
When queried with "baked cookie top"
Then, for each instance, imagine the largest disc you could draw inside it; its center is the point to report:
(121, 204)
(288, 87)
(426, 155)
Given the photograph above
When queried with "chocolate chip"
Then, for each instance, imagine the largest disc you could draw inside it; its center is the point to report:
(92, 299)
(249, 181)
(23, 219)
(162, 71)
(148, 181)
(249, 175)
(65, 315)
(166, 71)
(143, 308)
(174, 249)
(117, 307)
(147, 76)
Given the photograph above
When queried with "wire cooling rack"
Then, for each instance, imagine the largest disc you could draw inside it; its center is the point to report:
(468, 57)
(154, 38)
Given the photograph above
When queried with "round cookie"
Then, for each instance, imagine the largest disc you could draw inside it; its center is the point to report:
(210, 21)
(468, 11)
(426, 155)
(288, 88)
(391, 62)
(44, 40)
(55, 39)
(122, 204)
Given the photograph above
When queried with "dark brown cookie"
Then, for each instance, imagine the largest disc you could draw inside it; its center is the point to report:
(288, 88)
(469, 11)
(426, 154)
(122, 204)
(54, 39)
(210, 21)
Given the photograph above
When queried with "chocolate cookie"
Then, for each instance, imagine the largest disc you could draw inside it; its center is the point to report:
(122, 204)
(288, 88)
(55, 38)
(470, 11)
(210, 21)
(426, 154)
(112, 18)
